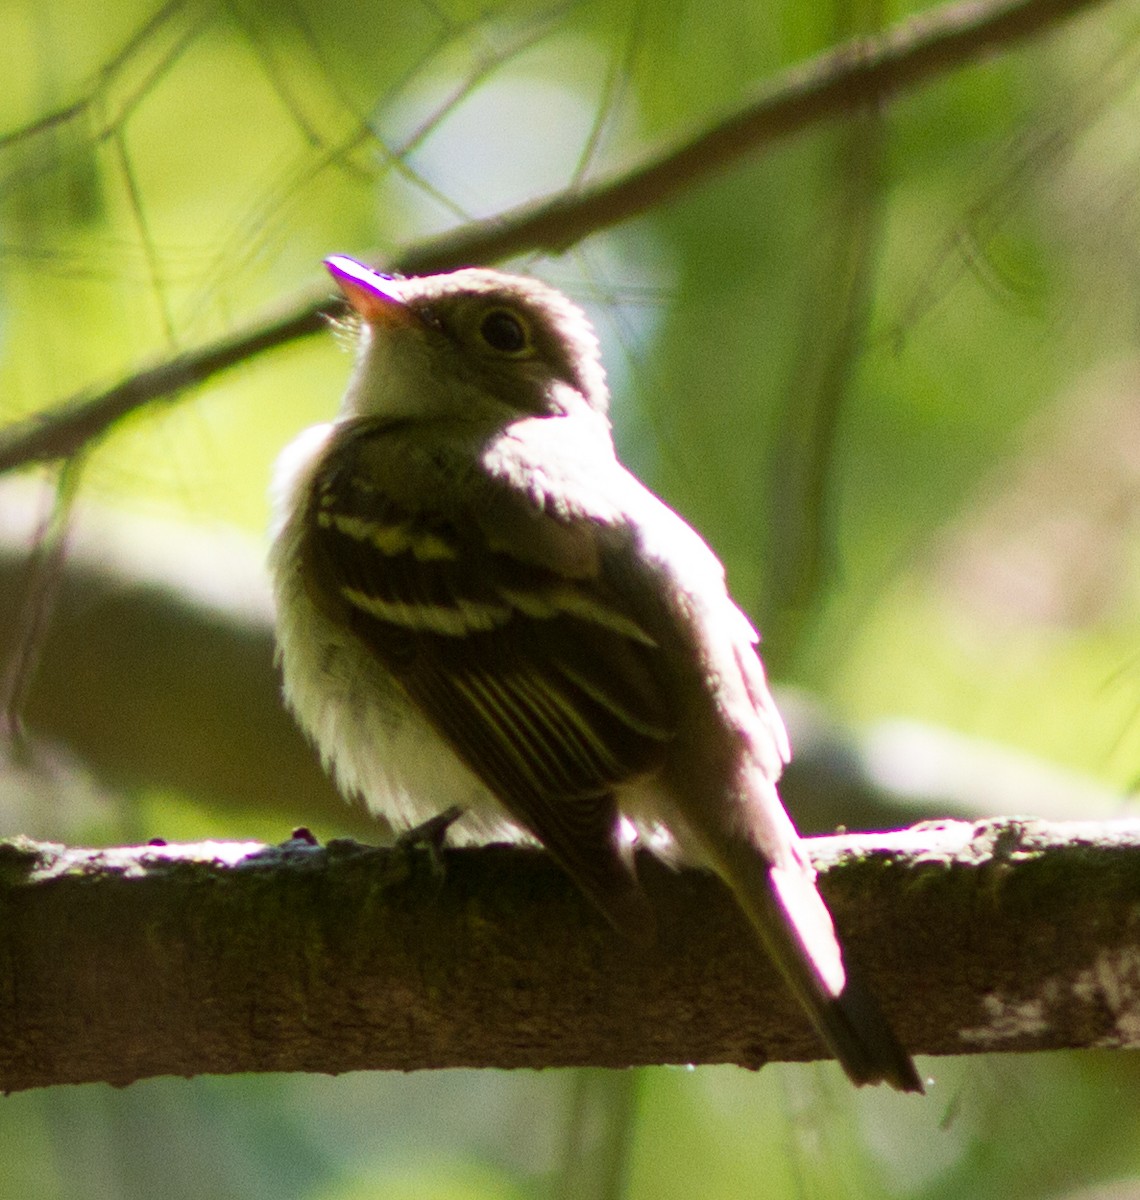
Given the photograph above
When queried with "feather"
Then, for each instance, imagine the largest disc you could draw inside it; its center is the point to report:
(542, 682)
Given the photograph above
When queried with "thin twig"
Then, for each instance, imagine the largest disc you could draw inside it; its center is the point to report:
(61, 116)
(44, 578)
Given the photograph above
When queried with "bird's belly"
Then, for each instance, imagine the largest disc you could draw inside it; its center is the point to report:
(375, 743)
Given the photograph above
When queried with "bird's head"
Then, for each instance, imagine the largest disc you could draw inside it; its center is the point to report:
(472, 342)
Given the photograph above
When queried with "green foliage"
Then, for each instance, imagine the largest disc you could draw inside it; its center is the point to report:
(888, 367)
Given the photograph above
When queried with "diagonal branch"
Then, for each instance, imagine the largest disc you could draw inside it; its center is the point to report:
(862, 72)
(126, 963)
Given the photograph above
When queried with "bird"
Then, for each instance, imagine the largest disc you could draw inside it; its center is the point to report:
(478, 605)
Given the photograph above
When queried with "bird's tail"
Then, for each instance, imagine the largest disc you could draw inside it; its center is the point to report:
(784, 906)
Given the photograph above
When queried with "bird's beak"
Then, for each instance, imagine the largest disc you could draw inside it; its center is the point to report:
(374, 297)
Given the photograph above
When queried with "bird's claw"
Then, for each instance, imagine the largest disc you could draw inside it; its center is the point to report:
(431, 834)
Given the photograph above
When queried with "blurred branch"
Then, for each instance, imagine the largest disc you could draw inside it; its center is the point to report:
(217, 958)
(156, 675)
(81, 420)
(89, 103)
(863, 72)
(801, 550)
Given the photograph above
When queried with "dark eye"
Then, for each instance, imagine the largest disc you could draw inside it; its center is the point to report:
(502, 330)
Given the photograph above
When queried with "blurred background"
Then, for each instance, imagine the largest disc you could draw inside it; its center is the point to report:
(889, 367)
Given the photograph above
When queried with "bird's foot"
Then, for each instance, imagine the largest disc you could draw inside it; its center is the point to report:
(431, 834)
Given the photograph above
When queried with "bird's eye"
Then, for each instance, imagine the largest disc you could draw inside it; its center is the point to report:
(505, 331)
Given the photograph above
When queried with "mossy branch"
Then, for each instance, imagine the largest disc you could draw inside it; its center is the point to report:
(126, 963)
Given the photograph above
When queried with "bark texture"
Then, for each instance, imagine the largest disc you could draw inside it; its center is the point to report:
(232, 957)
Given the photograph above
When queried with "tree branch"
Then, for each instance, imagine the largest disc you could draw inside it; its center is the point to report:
(861, 72)
(121, 964)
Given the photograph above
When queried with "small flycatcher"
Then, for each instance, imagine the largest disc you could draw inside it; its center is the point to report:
(478, 605)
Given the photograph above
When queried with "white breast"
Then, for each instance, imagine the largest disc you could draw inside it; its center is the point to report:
(376, 745)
